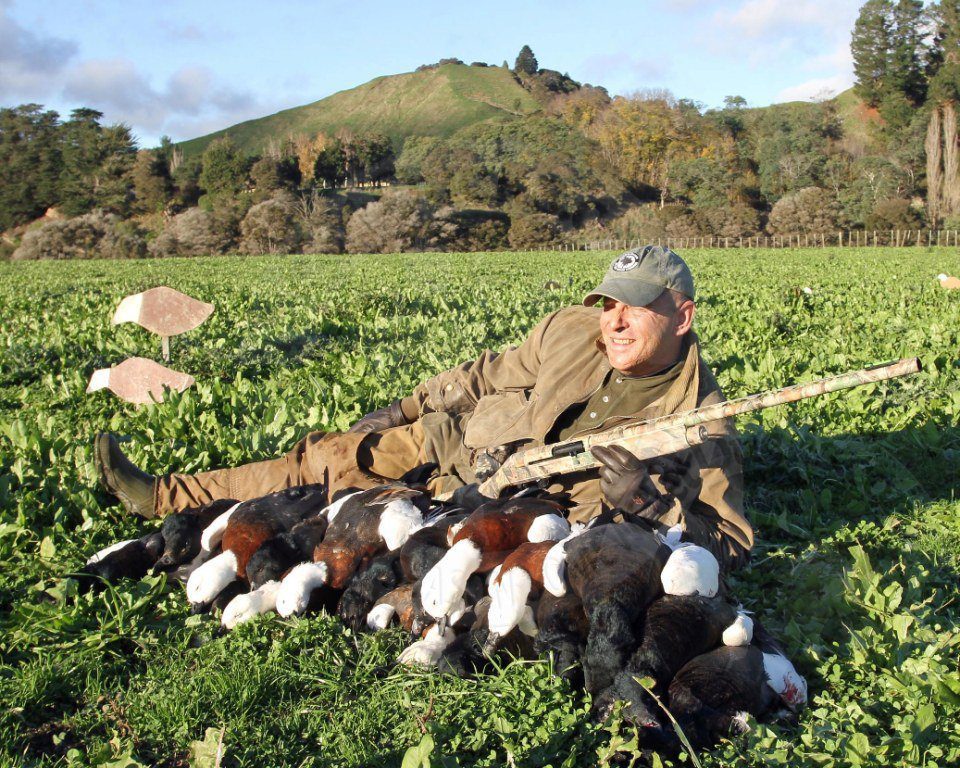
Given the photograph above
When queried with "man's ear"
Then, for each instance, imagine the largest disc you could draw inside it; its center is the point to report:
(685, 314)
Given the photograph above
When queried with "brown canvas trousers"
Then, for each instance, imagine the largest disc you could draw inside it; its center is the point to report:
(338, 460)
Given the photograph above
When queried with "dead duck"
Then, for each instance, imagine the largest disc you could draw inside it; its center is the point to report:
(132, 559)
(426, 547)
(244, 529)
(675, 630)
(470, 652)
(615, 571)
(248, 605)
(396, 605)
(278, 555)
(711, 695)
(520, 578)
(362, 525)
(690, 569)
(182, 532)
(562, 630)
(484, 540)
(366, 587)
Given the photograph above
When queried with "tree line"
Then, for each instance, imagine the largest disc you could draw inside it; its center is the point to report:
(585, 166)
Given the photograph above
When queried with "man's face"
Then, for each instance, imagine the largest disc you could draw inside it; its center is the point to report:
(643, 340)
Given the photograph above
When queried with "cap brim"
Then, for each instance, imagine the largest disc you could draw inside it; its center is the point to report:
(634, 293)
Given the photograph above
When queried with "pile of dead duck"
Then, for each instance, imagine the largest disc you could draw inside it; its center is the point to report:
(614, 604)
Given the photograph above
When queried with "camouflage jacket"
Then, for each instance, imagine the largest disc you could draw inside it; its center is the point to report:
(516, 396)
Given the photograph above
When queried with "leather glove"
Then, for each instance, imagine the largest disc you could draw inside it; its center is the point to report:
(626, 485)
(379, 420)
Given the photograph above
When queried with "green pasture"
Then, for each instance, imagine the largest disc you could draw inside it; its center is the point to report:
(854, 497)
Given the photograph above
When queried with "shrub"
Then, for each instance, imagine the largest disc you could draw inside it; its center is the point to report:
(733, 220)
(642, 222)
(471, 230)
(271, 226)
(195, 232)
(533, 229)
(93, 235)
(684, 225)
(893, 213)
(321, 222)
(402, 220)
(810, 209)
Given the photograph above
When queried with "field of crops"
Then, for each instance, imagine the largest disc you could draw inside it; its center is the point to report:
(857, 566)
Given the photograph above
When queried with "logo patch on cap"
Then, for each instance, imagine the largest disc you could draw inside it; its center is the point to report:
(626, 262)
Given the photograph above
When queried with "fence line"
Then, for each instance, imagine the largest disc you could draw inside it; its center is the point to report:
(899, 238)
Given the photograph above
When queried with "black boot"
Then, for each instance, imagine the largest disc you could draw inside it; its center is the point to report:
(133, 487)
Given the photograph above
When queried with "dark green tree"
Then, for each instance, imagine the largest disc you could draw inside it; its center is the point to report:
(152, 185)
(906, 73)
(871, 46)
(330, 167)
(223, 168)
(375, 157)
(526, 62)
(30, 163)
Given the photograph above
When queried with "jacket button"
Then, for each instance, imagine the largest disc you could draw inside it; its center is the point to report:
(593, 414)
(449, 387)
(606, 399)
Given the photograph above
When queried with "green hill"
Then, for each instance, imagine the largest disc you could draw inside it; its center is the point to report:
(432, 102)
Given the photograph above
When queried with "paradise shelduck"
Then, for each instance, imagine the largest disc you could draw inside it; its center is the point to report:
(131, 559)
(221, 601)
(421, 551)
(711, 695)
(471, 651)
(425, 548)
(247, 527)
(396, 604)
(949, 282)
(675, 630)
(426, 651)
(562, 630)
(690, 569)
(278, 555)
(182, 532)
(482, 542)
(247, 606)
(615, 570)
(139, 380)
(519, 579)
(362, 525)
(365, 587)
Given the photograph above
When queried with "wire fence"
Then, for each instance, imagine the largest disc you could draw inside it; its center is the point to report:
(897, 238)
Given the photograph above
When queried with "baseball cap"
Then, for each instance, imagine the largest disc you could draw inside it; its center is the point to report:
(638, 277)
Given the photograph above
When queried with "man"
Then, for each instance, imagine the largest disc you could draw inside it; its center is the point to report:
(582, 369)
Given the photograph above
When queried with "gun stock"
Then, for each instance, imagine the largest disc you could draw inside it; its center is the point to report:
(668, 434)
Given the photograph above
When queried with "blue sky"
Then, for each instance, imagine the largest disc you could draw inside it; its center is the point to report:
(187, 68)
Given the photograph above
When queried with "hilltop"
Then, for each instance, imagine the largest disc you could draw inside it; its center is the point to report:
(437, 101)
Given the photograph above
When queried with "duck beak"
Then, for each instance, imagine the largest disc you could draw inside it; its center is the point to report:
(491, 643)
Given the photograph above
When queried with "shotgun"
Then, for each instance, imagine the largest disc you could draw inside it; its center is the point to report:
(669, 434)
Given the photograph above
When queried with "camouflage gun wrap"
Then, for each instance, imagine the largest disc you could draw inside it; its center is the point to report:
(669, 434)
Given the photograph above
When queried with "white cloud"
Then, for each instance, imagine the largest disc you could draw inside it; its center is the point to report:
(191, 95)
(28, 61)
(818, 88)
(760, 18)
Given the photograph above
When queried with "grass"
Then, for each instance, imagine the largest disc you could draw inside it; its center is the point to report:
(434, 102)
(853, 495)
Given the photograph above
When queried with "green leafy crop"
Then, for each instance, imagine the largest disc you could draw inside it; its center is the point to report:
(853, 495)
